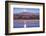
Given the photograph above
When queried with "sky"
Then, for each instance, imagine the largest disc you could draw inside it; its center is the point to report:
(20, 10)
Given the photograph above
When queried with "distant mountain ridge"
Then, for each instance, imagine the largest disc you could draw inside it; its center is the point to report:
(26, 15)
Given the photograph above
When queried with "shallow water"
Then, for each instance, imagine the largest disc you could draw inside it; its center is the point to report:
(29, 23)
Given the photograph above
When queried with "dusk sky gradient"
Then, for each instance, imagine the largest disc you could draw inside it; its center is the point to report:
(20, 10)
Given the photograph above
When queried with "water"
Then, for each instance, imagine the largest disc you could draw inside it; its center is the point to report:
(29, 23)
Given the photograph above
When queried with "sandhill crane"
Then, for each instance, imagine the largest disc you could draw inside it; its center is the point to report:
(24, 24)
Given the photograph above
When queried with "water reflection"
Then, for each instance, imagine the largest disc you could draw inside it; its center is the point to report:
(25, 23)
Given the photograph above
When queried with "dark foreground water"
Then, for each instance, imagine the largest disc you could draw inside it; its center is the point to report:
(29, 23)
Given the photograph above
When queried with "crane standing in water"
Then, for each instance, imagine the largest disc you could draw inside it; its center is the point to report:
(24, 24)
